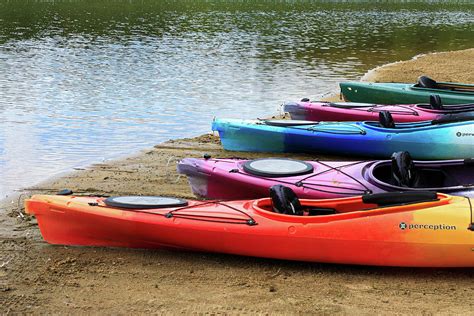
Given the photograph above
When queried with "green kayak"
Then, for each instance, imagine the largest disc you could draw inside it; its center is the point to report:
(406, 93)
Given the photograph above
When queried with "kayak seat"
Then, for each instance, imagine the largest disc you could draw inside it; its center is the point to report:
(285, 201)
(426, 82)
(455, 117)
(402, 172)
(403, 169)
(435, 102)
(386, 119)
(399, 198)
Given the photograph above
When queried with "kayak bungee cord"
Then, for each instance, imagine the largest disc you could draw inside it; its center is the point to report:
(337, 169)
(313, 127)
(205, 218)
(376, 107)
(303, 185)
(335, 131)
(251, 221)
(308, 186)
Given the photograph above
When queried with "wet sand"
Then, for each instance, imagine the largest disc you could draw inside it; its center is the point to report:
(39, 278)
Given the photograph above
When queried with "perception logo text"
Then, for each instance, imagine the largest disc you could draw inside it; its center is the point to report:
(405, 226)
(459, 134)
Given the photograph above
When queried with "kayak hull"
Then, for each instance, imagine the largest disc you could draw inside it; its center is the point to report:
(359, 139)
(225, 178)
(399, 93)
(429, 234)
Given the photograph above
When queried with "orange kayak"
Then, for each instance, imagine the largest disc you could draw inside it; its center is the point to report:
(416, 229)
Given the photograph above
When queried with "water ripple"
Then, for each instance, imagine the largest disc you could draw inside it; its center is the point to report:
(82, 81)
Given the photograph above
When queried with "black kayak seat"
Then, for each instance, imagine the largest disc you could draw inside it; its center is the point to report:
(454, 117)
(426, 82)
(404, 173)
(386, 119)
(435, 102)
(285, 201)
(399, 198)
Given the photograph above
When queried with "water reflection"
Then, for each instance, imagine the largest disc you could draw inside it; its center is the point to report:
(82, 81)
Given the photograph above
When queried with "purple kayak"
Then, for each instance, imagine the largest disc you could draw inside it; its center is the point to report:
(228, 178)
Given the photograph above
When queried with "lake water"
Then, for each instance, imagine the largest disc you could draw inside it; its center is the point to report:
(82, 81)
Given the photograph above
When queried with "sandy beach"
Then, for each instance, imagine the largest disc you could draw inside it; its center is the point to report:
(39, 278)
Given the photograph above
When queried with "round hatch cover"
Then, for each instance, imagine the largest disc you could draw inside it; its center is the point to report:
(288, 122)
(277, 167)
(144, 202)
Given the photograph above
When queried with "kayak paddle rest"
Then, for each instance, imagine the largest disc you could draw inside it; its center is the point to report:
(399, 198)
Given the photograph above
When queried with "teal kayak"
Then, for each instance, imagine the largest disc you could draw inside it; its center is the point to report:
(448, 138)
(407, 93)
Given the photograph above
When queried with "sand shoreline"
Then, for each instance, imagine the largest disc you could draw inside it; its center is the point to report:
(39, 278)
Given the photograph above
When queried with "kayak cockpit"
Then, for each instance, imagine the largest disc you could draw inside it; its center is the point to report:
(402, 172)
(285, 205)
(386, 121)
(425, 82)
(436, 104)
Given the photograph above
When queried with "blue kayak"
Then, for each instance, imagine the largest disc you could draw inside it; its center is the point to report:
(450, 137)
